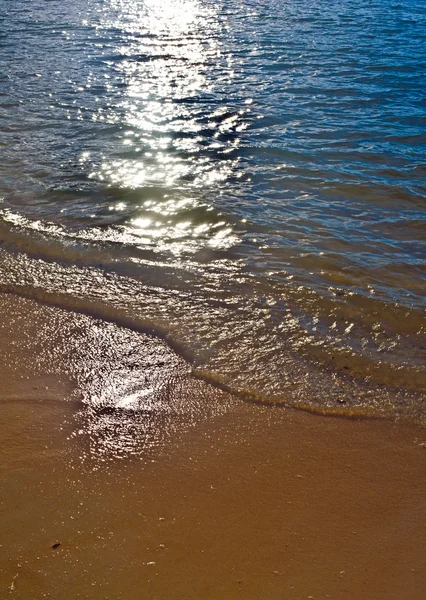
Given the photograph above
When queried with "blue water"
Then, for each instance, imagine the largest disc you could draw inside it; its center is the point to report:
(245, 179)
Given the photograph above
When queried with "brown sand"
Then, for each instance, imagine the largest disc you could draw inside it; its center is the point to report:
(194, 495)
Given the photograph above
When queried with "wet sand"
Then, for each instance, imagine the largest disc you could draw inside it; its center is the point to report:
(190, 493)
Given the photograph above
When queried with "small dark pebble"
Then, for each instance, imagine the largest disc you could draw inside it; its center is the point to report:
(56, 545)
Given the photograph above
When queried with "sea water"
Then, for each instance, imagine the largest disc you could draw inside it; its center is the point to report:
(244, 179)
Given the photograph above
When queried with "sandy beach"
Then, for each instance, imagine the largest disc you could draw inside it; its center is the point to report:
(197, 494)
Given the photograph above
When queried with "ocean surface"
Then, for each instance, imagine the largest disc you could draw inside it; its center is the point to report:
(244, 179)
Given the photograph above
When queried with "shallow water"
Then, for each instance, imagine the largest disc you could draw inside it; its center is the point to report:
(245, 180)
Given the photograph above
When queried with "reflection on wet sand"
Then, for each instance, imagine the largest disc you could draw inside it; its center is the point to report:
(128, 391)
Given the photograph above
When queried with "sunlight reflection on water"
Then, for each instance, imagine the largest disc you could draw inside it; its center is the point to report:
(164, 139)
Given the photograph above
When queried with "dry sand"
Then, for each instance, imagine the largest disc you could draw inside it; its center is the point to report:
(191, 494)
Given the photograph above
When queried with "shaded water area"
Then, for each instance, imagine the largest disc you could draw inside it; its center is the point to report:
(245, 180)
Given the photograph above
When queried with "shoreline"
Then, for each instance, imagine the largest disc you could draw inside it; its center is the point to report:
(393, 403)
(193, 493)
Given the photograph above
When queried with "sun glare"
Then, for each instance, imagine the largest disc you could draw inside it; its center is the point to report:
(167, 53)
